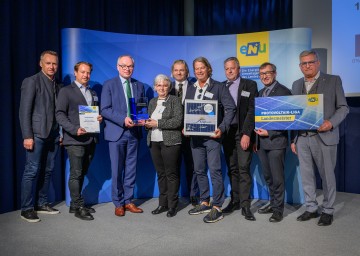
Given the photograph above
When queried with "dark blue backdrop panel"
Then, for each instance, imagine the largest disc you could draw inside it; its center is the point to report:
(154, 55)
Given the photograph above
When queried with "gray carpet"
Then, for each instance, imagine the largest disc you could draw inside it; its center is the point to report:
(145, 234)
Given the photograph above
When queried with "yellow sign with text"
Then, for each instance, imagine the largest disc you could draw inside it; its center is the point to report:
(253, 48)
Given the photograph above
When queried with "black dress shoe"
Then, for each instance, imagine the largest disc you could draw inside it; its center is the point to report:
(171, 212)
(267, 209)
(72, 209)
(276, 217)
(307, 216)
(159, 210)
(325, 219)
(232, 206)
(245, 211)
(83, 214)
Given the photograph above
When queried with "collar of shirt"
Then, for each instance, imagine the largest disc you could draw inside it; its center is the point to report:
(196, 84)
(271, 87)
(81, 86)
(184, 83)
(314, 80)
(236, 81)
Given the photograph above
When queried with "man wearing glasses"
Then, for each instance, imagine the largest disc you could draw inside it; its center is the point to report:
(318, 148)
(207, 150)
(122, 133)
(271, 147)
(238, 140)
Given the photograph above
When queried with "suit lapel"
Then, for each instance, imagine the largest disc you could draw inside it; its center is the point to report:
(79, 94)
(241, 88)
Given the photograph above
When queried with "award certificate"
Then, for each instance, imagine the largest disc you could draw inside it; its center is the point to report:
(88, 118)
(200, 117)
(295, 112)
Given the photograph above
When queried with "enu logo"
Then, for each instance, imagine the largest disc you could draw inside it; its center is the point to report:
(253, 49)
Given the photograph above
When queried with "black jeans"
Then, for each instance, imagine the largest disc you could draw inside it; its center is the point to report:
(80, 157)
(166, 160)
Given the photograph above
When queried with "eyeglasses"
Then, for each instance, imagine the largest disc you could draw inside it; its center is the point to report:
(199, 95)
(267, 73)
(124, 67)
(310, 63)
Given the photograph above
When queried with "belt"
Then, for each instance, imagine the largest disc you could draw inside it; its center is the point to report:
(308, 133)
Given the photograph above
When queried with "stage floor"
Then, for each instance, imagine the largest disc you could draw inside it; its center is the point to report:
(146, 234)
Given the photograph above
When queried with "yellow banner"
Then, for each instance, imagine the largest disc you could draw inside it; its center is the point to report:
(253, 48)
(289, 118)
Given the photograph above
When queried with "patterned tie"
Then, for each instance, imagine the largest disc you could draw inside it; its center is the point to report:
(180, 91)
(128, 94)
(228, 83)
(266, 92)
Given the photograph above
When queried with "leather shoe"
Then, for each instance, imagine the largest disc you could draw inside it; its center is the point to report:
(133, 208)
(245, 211)
(83, 214)
(232, 206)
(171, 212)
(276, 217)
(307, 216)
(325, 219)
(159, 210)
(267, 209)
(72, 209)
(120, 211)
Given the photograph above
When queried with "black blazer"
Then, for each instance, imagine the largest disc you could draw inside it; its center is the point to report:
(67, 114)
(37, 106)
(276, 139)
(246, 107)
(226, 105)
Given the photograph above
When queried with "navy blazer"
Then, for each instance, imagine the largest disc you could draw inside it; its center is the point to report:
(114, 108)
(67, 114)
(37, 106)
(335, 105)
(276, 139)
(226, 104)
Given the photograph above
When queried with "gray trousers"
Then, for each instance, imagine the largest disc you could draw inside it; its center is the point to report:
(313, 153)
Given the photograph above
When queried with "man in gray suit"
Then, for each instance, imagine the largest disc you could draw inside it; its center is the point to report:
(41, 136)
(318, 147)
(271, 147)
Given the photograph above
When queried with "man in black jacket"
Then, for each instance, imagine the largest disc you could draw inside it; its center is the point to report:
(41, 136)
(79, 143)
(238, 140)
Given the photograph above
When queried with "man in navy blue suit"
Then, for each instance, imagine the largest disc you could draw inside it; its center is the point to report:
(122, 133)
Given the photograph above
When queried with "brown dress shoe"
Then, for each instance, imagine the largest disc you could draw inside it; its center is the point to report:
(133, 208)
(120, 211)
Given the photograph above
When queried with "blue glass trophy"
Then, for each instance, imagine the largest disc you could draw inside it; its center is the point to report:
(139, 109)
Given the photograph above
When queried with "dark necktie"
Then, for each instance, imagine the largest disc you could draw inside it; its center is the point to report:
(128, 94)
(180, 91)
(228, 83)
(266, 92)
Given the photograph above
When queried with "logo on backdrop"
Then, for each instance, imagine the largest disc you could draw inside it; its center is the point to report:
(252, 51)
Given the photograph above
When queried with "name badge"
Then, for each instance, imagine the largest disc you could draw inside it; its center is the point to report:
(245, 94)
(96, 98)
(209, 95)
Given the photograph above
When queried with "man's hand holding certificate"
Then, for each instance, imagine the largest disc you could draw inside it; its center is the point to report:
(89, 119)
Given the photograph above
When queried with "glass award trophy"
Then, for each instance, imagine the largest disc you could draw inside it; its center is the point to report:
(139, 109)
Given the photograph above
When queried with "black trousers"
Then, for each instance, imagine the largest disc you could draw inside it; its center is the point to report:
(80, 157)
(272, 163)
(238, 163)
(166, 160)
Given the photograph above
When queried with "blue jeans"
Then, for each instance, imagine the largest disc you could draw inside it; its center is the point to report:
(37, 174)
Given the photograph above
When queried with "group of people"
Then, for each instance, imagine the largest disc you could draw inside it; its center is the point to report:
(44, 109)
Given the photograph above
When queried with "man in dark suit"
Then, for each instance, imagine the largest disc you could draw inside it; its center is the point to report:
(319, 147)
(79, 143)
(271, 147)
(238, 140)
(122, 133)
(180, 73)
(208, 149)
(41, 136)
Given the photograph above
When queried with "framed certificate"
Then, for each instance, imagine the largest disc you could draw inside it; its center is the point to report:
(295, 112)
(200, 117)
(88, 118)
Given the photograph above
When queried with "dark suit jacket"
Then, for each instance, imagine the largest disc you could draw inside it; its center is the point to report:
(171, 121)
(226, 105)
(335, 105)
(114, 108)
(246, 107)
(67, 114)
(37, 106)
(276, 139)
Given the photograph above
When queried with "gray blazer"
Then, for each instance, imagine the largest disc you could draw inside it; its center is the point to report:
(335, 105)
(276, 139)
(37, 106)
(171, 122)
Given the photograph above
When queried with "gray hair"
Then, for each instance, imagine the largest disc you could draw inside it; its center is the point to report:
(160, 78)
(232, 59)
(126, 55)
(309, 52)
